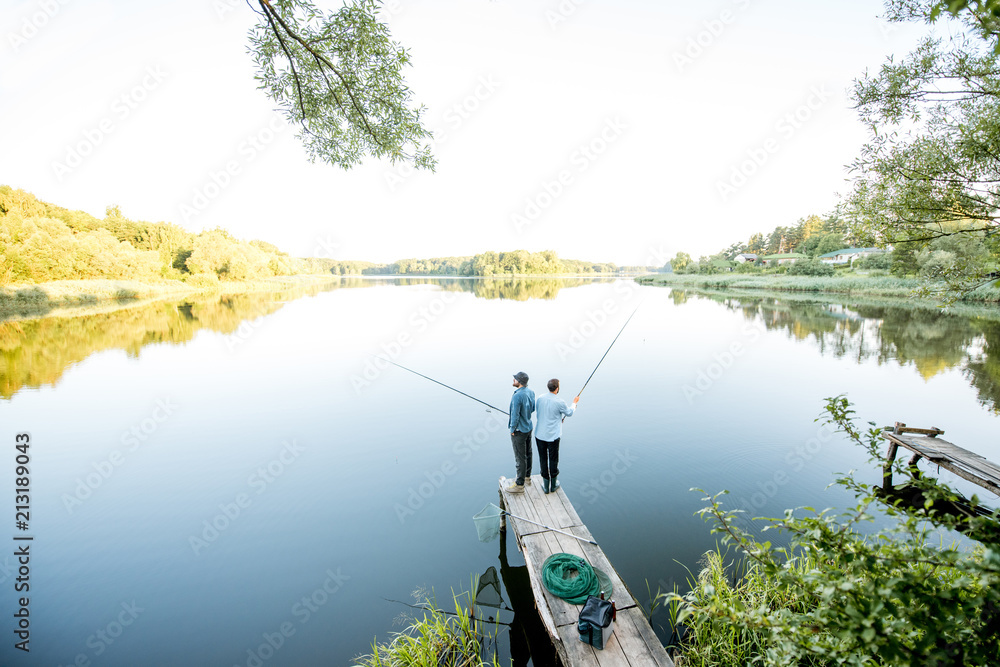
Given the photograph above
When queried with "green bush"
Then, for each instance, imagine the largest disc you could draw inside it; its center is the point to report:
(881, 261)
(810, 267)
(202, 280)
(847, 591)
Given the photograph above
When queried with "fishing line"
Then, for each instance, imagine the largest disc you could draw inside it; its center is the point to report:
(443, 384)
(609, 348)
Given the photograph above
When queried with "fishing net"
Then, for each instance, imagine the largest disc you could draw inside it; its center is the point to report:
(488, 523)
(570, 578)
(488, 589)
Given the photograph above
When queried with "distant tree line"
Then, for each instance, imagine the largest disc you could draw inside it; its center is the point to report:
(515, 262)
(41, 242)
(960, 248)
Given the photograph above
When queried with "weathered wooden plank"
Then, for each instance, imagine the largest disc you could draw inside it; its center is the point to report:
(520, 505)
(574, 517)
(633, 644)
(581, 653)
(537, 548)
(556, 508)
(964, 463)
(629, 644)
(650, 641)
(597, 558)
(972, 462)
(923, 431)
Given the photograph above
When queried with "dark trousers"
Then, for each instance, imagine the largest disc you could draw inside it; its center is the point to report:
(548, 457)
(522, 454)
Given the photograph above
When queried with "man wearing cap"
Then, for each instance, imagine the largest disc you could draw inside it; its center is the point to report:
(522, 404)
(552, 410)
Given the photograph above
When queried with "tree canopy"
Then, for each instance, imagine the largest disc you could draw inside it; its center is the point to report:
(931, 165)
(338, 77)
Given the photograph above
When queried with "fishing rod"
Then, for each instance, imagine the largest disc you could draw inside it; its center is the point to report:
(554, 530)
(609, 348)
(444, 385)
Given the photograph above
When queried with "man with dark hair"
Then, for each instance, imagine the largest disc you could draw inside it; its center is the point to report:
(522, 404)
(551, 411)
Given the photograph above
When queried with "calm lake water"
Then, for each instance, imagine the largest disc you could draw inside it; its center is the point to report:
(208, 474)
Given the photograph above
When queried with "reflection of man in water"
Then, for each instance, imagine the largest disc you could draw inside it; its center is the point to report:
(528, 638)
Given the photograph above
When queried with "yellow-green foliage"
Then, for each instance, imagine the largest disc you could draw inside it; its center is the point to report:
(36, 352)
(41, 242)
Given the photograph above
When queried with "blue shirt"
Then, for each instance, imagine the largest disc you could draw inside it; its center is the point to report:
(522, 404)
(550, 410)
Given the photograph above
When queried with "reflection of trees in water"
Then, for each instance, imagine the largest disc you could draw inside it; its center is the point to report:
(983, 368)
(933, 341)
(37, 352)
(514, 289)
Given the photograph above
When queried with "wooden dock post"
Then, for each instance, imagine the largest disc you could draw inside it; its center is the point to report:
(633, 643)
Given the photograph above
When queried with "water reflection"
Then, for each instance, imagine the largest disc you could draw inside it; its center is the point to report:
(514, 289)
(931, 340)
(36, 352)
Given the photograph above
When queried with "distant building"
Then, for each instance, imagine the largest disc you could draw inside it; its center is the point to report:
(783, 258)
(745, 257)
(845, 255)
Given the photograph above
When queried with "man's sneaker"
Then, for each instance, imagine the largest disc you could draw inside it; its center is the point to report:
(515, 488)
(527, 481)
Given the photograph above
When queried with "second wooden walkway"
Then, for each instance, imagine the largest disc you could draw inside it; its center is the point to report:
(925, 443)
(633, 643)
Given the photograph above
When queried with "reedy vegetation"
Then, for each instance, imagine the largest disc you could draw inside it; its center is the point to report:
(843, 593)
(437, 639)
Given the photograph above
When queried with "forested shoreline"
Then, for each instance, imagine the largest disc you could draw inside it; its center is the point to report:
(487, 264)
(42, 242)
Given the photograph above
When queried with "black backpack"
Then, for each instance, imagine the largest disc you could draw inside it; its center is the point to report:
(595, 620)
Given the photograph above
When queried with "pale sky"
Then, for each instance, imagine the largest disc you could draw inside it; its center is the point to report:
(671, 125)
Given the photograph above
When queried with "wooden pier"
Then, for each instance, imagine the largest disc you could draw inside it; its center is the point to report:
(925, 443)
(633, 643)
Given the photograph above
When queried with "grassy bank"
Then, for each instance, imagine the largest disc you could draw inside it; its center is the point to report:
(438, 638)
(32, 300)
(855, 285)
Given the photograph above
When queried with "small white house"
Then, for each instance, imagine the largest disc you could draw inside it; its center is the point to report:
(845, 255)
(745, 257)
